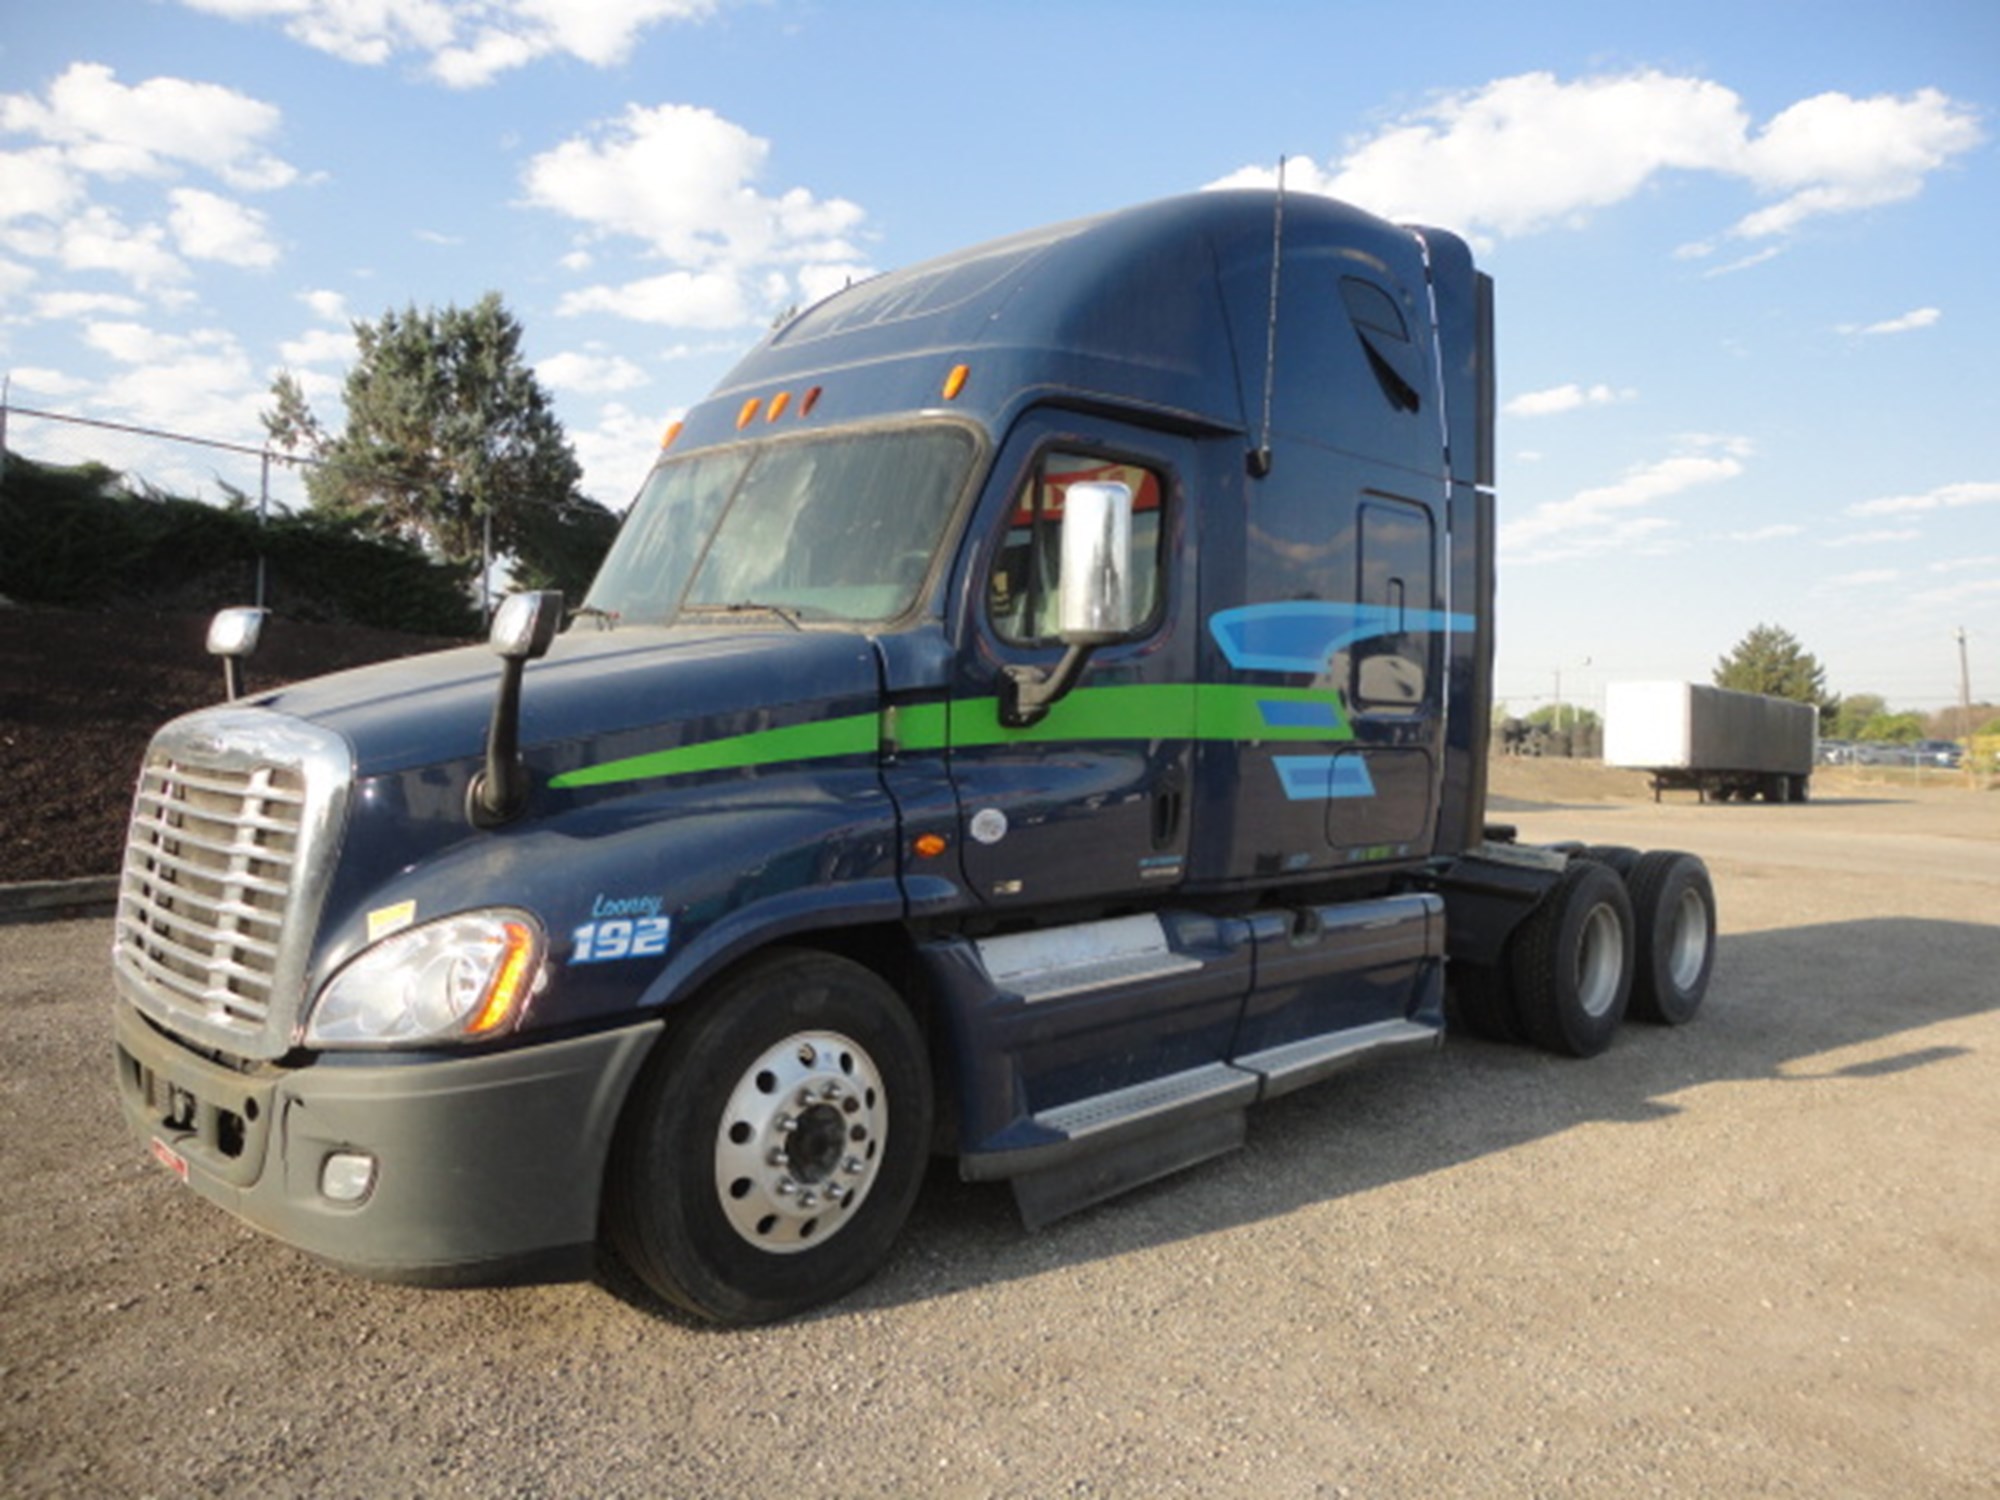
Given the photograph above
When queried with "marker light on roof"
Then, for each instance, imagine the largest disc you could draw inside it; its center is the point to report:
(955, 381)
(672, 432)
(749, 413)
(778, 404)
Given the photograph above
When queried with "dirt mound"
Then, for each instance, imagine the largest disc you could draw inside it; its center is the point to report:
(81, 693)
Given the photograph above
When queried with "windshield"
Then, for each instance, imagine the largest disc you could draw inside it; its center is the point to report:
(834, 527)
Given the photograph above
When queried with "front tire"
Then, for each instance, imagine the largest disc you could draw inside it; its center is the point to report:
(773, 1149)
(1572, 962)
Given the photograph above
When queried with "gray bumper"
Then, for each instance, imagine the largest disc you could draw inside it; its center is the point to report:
(486, 1165)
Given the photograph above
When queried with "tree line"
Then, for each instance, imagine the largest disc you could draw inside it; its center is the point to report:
(450, 458)
(1771, 660)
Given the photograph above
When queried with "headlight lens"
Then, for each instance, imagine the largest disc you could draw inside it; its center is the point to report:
(461, 978)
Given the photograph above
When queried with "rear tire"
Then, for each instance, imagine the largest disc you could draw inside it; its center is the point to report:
(1572, 962)
(773, 1149)
(1674, 904)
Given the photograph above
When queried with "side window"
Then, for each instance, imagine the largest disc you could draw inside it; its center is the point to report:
(1385, 337)
(1391, 664)
(1023, 590)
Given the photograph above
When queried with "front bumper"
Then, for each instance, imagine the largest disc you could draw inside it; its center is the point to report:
(486, 1166)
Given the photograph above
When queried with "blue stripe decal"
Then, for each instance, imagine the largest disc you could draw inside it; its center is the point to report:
(1319, 778)
(1302, 635)
(1299, 715)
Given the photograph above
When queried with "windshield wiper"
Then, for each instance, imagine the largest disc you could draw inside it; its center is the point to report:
(749, 607)
(607, 619)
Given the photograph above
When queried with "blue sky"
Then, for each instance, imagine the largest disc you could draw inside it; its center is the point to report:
(1742, 250)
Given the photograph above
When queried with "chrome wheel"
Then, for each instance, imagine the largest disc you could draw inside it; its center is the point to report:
(1687, 952)
(800, 1141)
(1600, 961)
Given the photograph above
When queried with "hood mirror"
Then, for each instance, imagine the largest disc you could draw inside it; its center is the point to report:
(524, 627)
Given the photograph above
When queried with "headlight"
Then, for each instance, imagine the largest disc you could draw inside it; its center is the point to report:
(457, 979)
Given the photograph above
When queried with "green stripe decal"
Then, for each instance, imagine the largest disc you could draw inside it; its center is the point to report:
(858, 734)
(1141, 712)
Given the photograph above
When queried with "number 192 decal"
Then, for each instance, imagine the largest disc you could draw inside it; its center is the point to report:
(600, 942)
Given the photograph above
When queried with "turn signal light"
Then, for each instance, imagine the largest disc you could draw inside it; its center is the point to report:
(511, 983)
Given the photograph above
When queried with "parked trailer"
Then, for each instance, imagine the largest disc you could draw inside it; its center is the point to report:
(1035, 710)
(1714, 741)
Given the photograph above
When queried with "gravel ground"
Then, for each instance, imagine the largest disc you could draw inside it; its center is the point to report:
(1756, 1256)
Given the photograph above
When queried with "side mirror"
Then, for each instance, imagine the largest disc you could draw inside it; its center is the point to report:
(525, 625)
(233, 636)
(1096, 564)
(1096, 605)
(523, 629)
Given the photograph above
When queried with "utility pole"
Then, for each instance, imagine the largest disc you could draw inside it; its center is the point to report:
(1965, 708)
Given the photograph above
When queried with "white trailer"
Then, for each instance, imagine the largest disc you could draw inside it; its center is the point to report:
(1711, 740)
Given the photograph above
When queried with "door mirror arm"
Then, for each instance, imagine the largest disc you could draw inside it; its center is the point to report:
(1028, 693)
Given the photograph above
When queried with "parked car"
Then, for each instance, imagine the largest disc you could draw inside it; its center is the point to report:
(1946, 753)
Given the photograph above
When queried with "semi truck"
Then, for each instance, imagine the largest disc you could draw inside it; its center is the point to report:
(1035, 709)
(1718, 742)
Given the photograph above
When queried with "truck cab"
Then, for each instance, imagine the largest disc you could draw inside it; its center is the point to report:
(1035, 709)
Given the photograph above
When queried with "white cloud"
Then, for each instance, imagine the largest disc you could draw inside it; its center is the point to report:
(90, 129)
(1834, 153)
(208, 227)
(1600, 519)
(617, 451)
(679, 299)
(1871, 538)
(328, 305)
(469, 42)
(151, 129)
(47, 382)
(99, 240)
(57, 305)
(682, 182)
(1990, 563)
(1944, 497)
(1564, 398)
(318, 346)
(1532, 152)
(200, 383)
(1952, 596)
(590, 374)
(1922, 317)
(36, 184)
(1867, 578)
(1771, 533)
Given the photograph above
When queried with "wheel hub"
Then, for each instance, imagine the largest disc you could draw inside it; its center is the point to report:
(800, 1141)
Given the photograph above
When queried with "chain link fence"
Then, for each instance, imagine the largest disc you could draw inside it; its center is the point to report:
(152, 462)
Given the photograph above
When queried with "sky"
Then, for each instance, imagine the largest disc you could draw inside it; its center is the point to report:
(1741, 249)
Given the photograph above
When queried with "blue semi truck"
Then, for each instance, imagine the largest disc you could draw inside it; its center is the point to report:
(1036, 708)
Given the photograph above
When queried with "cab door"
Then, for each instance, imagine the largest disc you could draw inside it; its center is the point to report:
(1092, 802)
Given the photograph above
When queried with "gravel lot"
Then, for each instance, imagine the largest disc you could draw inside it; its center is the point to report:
(1758, 1256)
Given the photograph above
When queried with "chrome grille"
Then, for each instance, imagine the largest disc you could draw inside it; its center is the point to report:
(230, 825)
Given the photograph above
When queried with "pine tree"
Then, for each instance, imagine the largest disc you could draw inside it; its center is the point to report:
(451, 442)
(1770, 660)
